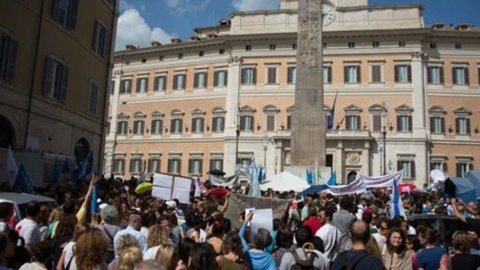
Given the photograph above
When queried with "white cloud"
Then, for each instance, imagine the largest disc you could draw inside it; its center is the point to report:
(133, 29)
(183, 6)
(252, 5)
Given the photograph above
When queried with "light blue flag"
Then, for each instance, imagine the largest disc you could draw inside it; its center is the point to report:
(397, 204)
(22, 181)
(253, 175)
(93, 203)
(333, 179)
(310, 177)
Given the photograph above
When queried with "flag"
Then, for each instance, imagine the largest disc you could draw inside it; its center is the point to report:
(12, 168)
(66, 166)
(22, 181)
(261, 174)
(397, 205)
(332, 113)
(333, 179)
(198, 189)
(253, 175)
(93, 202)
(142, 176)
(83, 168)
(310, 177)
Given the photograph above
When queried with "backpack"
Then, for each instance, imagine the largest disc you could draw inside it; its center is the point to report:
(349, 264)
(307, 263)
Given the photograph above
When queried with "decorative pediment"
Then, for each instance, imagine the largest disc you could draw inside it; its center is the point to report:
(377, 108)
(218, 110)
(404, 108)
(271, 109)
(123, 115)
(139, 115)
(291, 109)
(198, 112)
(247, 109)
(177, 112)
(353, 108)
(462, 111)
(437, 109)
(157, 114)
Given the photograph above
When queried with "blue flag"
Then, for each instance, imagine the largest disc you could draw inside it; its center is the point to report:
(397, 205)
(310, 177)
(332, 113)
(83, 167)
(93, 203)
(22, 181)
(333, 179)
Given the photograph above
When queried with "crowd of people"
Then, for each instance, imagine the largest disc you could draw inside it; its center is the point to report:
(125, 230)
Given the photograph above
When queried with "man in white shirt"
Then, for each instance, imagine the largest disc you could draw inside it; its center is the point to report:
(27, 228)
(329, 234)
(134, 225)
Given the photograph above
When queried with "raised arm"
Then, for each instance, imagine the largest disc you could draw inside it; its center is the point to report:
(459, 215)
(241, 233)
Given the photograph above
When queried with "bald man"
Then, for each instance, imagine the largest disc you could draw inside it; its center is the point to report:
(358, 257)
(133, 228)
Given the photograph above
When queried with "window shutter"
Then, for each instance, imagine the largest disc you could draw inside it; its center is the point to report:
(412, 169)
(155, 84)
(242, 76)
(202, 121)
(181, 125)
(222, 123)
(329, 74)
(457, 125)
(48, 76)
(443, 125)
(359, 74)
(96, 35)
(190, 166)
(441, 75)
(467, 75)
(459, 169)
(377, 122)
(399, 165)
(160, 126)
(399, 123)
(429, 75)
(200, 169)
(431, 124)
(172, 126)
(409, 73)
(105, 49)
(242, 122)
(195, 80)
(138, 85)
(72, 14)
(119, 128)
(468, 125)
(345, 74)
(470, 166)
(270, 122)
(215, 78)
(454, 78)
(146, 84)
(64, 84)
(290, 75)
(175, 79)
(205, 80)
(193, 126)
(169, 165)
(211, 164)
(254, 75)
(179, 166)
(131, 165)
(359, 122)
(410, 123)
(445, 167)
(12, 57)
(396, 73)
(226, 77)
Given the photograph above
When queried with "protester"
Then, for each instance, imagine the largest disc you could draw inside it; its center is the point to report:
(284, 240)
(109, 216)
(123, 243)
(167, 255)
(202, 257)
(329, 234)
(343, 220)
(91, 251)
(312, 222)
(383, 227)
(232, 253)
(41, 252)
(358, 258)
(461, 257)
(3, 251)
(28, 228)
(133, 228)
(6, 213)
(158, 235)
(429, 258)
(129, 258)
(395, 254)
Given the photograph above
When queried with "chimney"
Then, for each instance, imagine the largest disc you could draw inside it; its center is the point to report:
(130, 47)
(176, 40)
(194, 38)
(155, 43)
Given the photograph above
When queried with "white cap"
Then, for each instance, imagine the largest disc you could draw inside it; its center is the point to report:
(171, 204)
(438, 176)
(103, 205)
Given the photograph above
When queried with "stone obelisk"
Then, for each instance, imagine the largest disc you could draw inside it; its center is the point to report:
(308, 122)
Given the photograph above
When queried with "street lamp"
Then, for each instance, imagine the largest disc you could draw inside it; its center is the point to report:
(237, 132)
(384, 136)
(265, 143)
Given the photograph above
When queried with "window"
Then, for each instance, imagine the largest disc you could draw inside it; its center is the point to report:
(125, 86)
(401, 44)
(327, 74)
(272, 47)
(195, 166)
(135, 165)
(403, 73)
(462, 125)
(93, 98)
(200, 80)
(351, 45)
(55, 79)
(154, 165)
(324, 45)
(138, 127)
(220, 78)
(294, 46)
(289, 122)
(458, 46)
(408, 167)
(437, 125)
(65, 12)
(8, 56)
(142, 84)
(378, 112)
(404, 123)
(246, 123)
(248, 47)
(270, 117)
(180, 56)
(377, 122)
(463, 167)
(433, 45)
(179, 81)
(435, 75)
(218, 124)
(176, 126)
(271, 122)
(119, 165)
(291, 75)
(201, 53)
(197, 124)
(221, 51)
(174, 165)
(436, 166)
(160, 83)
(376, 73)
(112, 88)
(271, 75)
(216, 163)
(353, 122)
(157, 126)
(161, 58)
(100, 44)
(375, 44)
(352, 74)
(122, 126)
(249, 75)
(460, 75)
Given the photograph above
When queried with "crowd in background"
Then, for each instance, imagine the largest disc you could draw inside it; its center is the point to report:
(320, 231)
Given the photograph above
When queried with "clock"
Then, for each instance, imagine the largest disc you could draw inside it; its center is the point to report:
(328, 14)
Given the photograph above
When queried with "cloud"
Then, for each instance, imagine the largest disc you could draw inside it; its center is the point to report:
(183, 6)
(133, 29)
(252, 5)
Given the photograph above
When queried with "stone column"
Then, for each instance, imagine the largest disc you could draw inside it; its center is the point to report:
(111, 139)
(308, 120)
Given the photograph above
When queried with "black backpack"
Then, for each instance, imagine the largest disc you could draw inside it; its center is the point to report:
(307, 263)
(349, 264)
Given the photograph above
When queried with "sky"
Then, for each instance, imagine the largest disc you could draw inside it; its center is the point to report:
(142, 21)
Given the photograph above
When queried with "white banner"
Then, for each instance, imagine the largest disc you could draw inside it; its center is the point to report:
(362, 182)
(168, 187)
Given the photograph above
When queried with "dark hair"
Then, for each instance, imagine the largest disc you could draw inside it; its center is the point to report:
(276, 224)
(6, 210)
(303, 235)
(461, 242)
(312, 211)
(360, 232)
(3, 242)
(32, 209)
(227, 225)
(328, 211)
(346, 203)
(42, 251)
(367, 217)
(415, 242)
(218, 228)
(202, 257)
(68, 208)
(261, 239)
(284, 238)
(403, 246)
(318, 244)
(184, 248)
(232, 243)
(432, 236)
(66, 227)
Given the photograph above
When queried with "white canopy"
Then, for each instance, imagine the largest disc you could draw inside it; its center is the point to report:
(285, 181)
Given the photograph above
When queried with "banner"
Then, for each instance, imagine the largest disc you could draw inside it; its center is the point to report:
(362, 182)
(238, 203)
(168, 187)
(224, 182)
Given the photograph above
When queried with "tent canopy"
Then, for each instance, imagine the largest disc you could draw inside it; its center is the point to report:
(468, 187)
(285, 181)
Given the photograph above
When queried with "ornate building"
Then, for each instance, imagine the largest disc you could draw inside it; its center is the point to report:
(407, 97)
(55, 64)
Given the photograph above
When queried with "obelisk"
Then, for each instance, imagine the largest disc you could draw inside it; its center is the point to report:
(308, 119)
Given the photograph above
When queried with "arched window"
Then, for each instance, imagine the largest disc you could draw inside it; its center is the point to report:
(6, 133)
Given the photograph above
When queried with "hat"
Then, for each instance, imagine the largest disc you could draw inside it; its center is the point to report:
(171, 204)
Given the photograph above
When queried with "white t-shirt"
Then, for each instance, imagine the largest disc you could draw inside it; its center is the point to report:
(68, 249)
(151, 253)
(29, 231)
(330, 236)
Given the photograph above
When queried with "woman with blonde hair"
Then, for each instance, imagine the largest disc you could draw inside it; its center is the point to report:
(157, 235)
(461, 257)
(167, 256)
(123, 243)
(91, 250)
(129, 258)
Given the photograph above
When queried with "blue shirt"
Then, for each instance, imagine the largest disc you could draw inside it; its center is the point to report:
(138, 235)
(257, 260)
(429, 259)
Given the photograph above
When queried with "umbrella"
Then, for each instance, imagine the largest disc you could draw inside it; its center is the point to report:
(143, 187)
(314, 189)
(406, 187)
(216, 172)
(218, 192)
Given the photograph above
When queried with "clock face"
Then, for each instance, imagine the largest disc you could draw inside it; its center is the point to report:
(328, 14)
